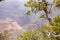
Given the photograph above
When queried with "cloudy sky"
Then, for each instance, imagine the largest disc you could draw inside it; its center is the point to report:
(15, 9)
(12, 8)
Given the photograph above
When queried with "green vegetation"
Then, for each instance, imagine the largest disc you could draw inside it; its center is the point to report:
(57, 3)
(42, 5)
(46, 32)
(49, 31)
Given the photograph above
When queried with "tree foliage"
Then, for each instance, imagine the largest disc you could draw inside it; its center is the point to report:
(57, 3)
(46, 32)
(57, 21)
(39, 5)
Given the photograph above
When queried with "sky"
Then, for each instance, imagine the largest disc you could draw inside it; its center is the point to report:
(13, 9)
(16, 10)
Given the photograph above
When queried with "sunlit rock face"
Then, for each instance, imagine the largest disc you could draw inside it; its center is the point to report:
(9, 24)
(11, 27)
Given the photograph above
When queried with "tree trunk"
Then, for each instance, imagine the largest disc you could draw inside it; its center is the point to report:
(47, 17)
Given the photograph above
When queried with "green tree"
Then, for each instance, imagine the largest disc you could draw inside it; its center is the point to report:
(50, 31)
(57, 3)
(57, 21)
(39, 5)
(46, 32)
